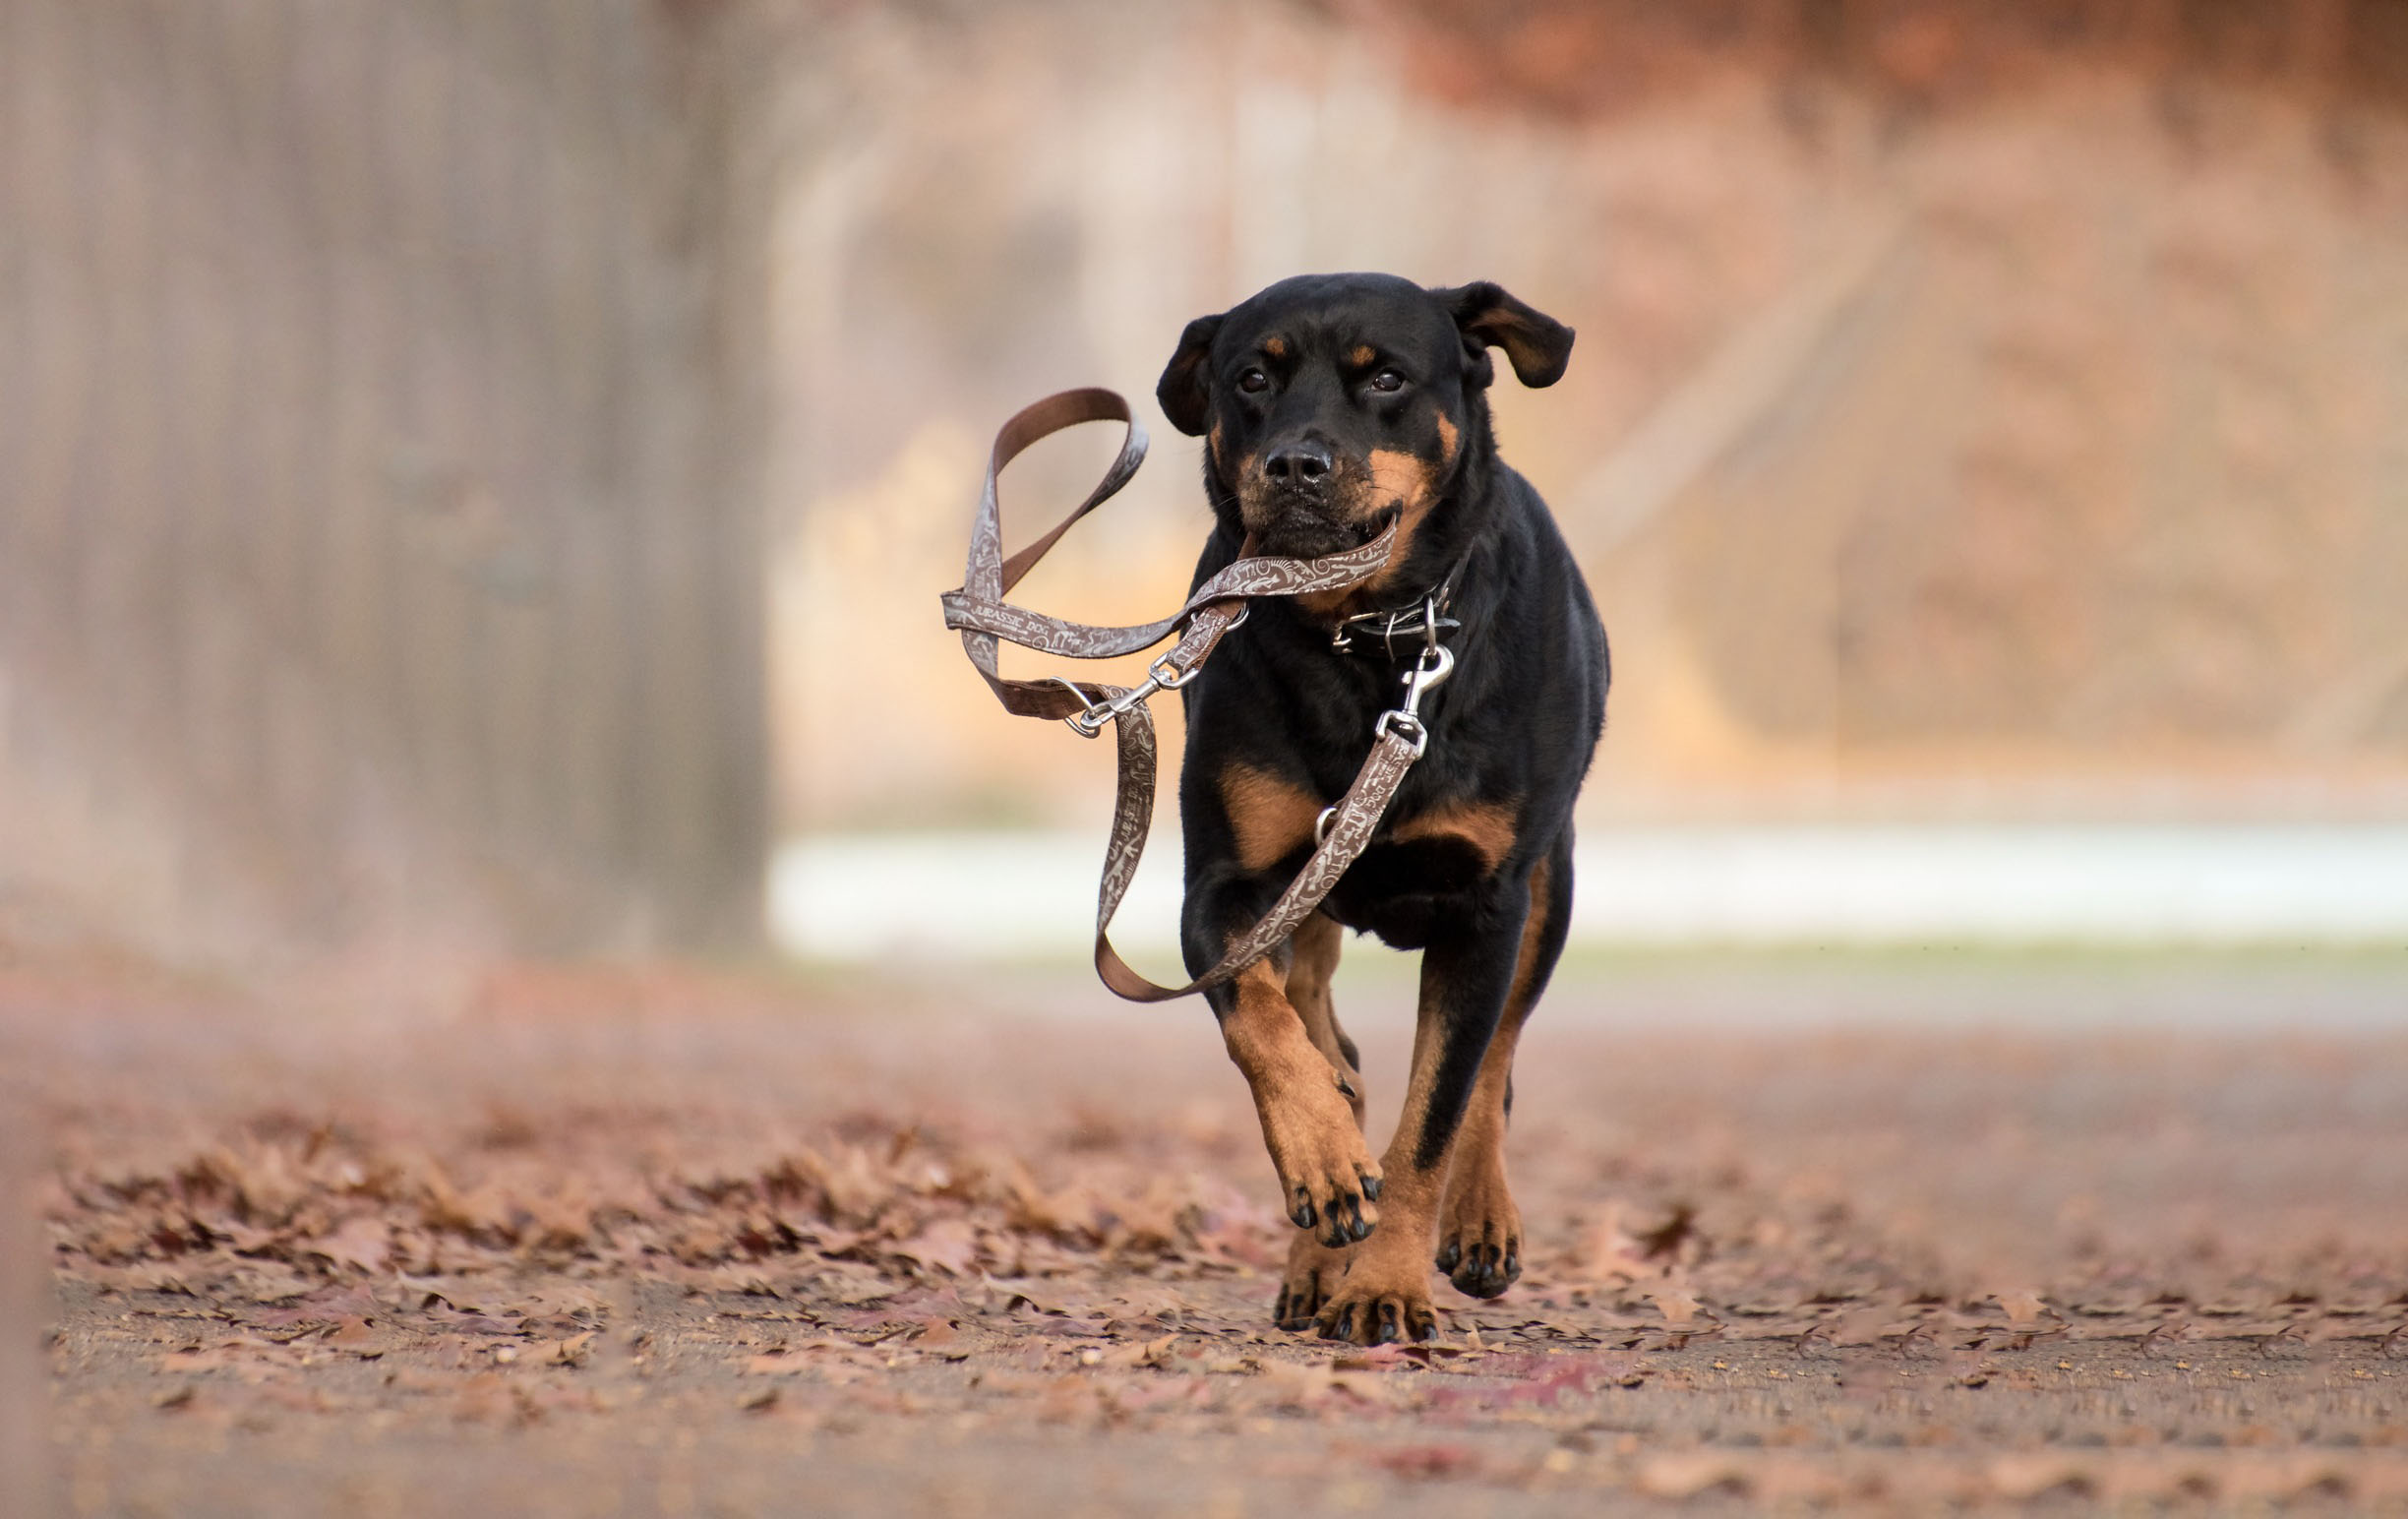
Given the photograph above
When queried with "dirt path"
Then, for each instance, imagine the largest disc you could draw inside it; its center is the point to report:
(636, 1244)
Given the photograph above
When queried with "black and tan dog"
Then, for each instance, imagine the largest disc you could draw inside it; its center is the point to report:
(1331, 404)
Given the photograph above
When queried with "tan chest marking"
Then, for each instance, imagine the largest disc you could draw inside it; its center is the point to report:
(1268, 815)
(1486, 827)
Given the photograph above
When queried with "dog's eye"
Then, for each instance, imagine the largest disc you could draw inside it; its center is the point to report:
(1388, 379)
(1253, 382)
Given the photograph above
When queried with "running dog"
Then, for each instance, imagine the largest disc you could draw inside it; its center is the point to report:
(1332, 405)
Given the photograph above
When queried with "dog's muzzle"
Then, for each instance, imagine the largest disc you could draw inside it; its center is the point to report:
(1304, 523)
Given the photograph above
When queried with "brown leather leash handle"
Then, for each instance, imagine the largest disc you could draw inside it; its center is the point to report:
(984, 618)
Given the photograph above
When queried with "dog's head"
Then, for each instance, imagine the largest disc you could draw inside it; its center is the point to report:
(1332, 402)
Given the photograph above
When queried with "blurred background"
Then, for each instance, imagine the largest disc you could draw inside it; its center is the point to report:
(479, 475)
(475, 482)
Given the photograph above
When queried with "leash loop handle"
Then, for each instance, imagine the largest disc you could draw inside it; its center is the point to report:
(984, 619)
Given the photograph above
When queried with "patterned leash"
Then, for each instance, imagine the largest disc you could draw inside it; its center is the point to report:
(979, 613)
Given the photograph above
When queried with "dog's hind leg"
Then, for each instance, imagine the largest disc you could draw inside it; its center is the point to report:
(1315, 1268)
(1479, 1229)
(1469, 972)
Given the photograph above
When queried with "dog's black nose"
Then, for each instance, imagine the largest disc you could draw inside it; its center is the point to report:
(1299, 463)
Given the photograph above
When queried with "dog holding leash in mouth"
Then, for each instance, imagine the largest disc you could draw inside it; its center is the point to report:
(1333, 407)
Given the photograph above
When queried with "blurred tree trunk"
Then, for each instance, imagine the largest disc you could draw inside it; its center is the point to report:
(380, 553)
(24, 1312)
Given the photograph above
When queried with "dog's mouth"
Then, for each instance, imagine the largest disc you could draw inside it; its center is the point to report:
(1296, 525)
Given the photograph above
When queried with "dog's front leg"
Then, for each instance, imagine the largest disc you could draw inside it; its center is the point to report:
(1314, 1269)
(1479, 1229)
(1466, 974)
(1328, 1179)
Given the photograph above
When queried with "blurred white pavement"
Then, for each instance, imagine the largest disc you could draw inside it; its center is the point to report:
(966, 897)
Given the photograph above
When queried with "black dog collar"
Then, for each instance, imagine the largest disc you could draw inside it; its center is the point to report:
(1376, 635)
(1415, 624)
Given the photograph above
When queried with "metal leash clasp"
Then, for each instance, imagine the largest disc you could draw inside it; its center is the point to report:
(1429, 673)
(1161, 675)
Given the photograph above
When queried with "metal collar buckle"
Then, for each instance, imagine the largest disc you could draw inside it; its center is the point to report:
(1422, 617)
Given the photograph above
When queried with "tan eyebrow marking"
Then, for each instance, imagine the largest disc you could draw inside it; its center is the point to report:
(1363, 355)
(1277, 347)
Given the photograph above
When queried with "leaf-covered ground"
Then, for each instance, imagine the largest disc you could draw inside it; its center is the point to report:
(635, 1243)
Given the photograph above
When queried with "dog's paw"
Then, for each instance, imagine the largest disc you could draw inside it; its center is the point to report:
(1313, 1273)
(1375, 1305)
(1480, 1237)
(1328, 1179)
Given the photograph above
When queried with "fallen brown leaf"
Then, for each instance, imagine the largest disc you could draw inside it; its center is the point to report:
(1678, 1305)
(571, 1352)
(948, 1245)
(363, 1243)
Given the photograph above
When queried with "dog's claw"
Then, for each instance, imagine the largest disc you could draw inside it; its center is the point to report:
(1382, 1321)
(1309, 1282)
(1342, 1231)
(1480, 1270)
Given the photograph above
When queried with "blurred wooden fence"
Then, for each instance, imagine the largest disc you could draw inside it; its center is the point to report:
(379, 552)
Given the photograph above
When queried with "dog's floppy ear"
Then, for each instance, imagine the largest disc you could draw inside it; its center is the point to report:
(1182, 387)
(1538, 345)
